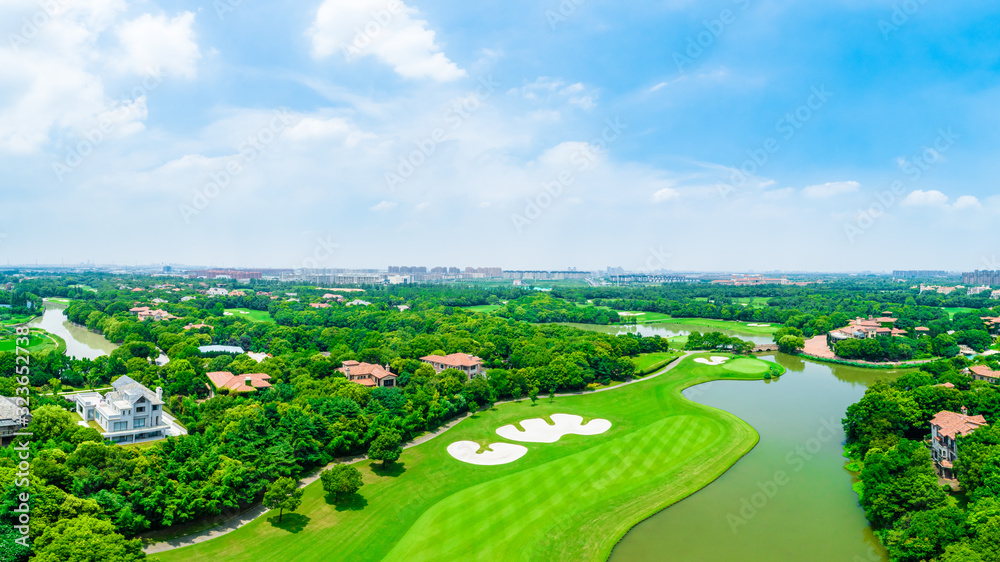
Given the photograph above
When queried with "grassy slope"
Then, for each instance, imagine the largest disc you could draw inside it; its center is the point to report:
(649, 362)
(569, 500)
(483, 308)
(254, 316)
(38, 341)
(703, 324)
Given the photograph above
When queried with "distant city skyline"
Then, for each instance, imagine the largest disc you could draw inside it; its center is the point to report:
(677, 135)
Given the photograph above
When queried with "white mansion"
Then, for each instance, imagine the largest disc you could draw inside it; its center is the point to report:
(128, 414)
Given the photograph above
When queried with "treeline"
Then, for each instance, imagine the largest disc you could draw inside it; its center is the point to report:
(916, 518)
(545, 308)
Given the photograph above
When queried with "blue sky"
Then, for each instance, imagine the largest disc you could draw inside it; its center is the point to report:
(720, 135)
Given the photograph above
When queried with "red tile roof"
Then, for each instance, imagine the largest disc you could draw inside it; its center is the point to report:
(361, 372)
(950, 424)
(237, 383)
(984, 371)
(454, 360)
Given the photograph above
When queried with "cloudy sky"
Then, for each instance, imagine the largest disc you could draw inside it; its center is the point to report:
(708, 135)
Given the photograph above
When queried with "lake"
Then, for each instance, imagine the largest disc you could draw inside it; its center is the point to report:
(790, 498)
(80, 342)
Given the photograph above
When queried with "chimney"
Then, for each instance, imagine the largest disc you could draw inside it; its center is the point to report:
(965, 411)
(159, 393)
(247, 380)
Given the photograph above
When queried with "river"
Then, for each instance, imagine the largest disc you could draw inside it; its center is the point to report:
(790, 498)
(80, 342)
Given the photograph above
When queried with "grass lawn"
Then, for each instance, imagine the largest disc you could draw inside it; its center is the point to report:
(953, 310)
(14, 319)
(483, 308)
(649, 362)
(91, 423)
(568, 500)
(253, 316)
(748, 366)
(708, 324)
(84, 287)
(644, 317)
(39, 340)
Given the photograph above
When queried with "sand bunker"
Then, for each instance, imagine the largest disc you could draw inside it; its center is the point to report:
(537, 430)
(759, 325)
(502, 453)
(714, 361)
(631, 313)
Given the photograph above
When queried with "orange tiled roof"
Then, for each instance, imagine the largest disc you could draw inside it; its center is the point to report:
(237, 383)
(365, 370)
(984, 371)
(951, 424)
(454, 360)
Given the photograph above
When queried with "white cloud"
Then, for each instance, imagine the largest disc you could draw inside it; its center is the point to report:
(155, 44)
(548, 89)
(388, 30)
(383, 206)
(831, 189)
(967, 202)
(665, 194)
(930, 198)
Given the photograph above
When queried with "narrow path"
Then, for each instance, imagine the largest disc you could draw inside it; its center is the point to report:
(255, 512)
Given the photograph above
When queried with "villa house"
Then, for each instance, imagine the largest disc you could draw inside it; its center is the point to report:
(358, 302)
(319, 305)
(992, 324)
(861, 328)
(11, 421)
(367, 374)
(128, 414)
(984, 373)
(249, 382)
(946, 427)
(217, 292)
(469, 364)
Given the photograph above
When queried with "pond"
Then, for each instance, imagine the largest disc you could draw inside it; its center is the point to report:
(80, 342)
(790, 498)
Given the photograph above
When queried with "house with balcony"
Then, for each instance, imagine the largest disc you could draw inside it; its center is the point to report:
(946, 428)
(130, 413)
(368, 374)
(471, 365)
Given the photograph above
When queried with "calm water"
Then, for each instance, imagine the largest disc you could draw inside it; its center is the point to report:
(665, 330)
(80, 342)
(789, 499)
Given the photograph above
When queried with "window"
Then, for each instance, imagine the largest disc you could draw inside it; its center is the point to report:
(139, 422)
(140, 409)
(155, 407)
(120, 426)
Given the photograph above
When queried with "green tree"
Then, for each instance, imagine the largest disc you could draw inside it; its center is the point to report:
(48, 422)
(341, 480)
(283, 494)
(533, 394)
(387, 447)
(85, 539)
(791, 344)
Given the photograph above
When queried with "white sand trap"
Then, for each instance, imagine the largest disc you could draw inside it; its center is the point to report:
(714, 361)
(227, 313)
(631, 313)
(502, 453)
(244, 312)
(537, 430)
(759, 325)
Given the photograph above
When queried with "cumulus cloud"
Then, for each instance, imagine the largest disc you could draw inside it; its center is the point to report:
(388, 30)
(384, 206)
(830, 189)
(967, 202)
(929, 198)
(156, 43)
(665, 194)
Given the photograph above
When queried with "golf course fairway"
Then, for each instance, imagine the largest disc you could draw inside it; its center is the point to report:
(568, 500)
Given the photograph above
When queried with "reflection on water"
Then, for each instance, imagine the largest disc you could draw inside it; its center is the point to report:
(790, 499)
(666, 330)
(80, 342)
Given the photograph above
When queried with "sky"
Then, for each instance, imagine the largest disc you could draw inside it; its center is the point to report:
(719, 135)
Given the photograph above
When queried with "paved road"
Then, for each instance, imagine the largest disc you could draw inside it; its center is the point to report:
(248, 516)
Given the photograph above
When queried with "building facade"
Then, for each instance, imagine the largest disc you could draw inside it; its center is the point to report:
(471, 365)
(946, 428)
(128, 414)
